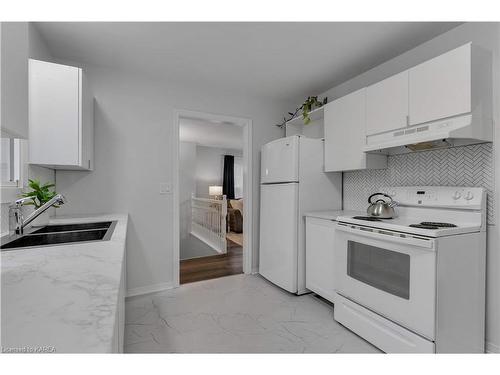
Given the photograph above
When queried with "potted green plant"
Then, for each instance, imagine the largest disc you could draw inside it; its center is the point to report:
(39, 194)
(310, 104)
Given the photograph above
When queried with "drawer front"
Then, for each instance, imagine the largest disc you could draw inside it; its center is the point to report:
(380, 332)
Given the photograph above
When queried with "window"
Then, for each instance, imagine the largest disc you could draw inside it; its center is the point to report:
(380, 268)
(10, 162)
(238, 177)
(13, 168)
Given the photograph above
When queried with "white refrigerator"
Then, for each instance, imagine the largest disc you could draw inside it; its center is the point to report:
(293, 182)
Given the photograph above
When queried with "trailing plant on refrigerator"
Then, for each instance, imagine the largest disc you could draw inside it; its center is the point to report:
(310, 104)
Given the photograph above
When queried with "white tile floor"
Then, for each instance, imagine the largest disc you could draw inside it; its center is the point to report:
(235, 314)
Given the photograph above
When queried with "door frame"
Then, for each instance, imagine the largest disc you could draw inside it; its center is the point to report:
(247, 186)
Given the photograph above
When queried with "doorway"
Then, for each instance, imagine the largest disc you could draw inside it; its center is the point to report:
(212, 196)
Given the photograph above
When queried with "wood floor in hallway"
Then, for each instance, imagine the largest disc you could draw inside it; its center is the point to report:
(211, 267)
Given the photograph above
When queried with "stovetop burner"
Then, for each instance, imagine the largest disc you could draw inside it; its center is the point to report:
(432, 225)
(437, 224)
(422, 226)
(367, 218)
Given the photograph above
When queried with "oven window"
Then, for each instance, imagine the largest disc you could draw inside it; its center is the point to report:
(380, 268)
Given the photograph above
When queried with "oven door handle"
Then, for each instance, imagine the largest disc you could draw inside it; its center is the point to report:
(383, 235)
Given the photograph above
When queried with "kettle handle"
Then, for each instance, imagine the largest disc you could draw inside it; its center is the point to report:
(373, 195)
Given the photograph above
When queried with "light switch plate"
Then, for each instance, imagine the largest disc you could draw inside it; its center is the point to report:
(165, 188)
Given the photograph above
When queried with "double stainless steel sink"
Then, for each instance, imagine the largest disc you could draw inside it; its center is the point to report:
(58, 234)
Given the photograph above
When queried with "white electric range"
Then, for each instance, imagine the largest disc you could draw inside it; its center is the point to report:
(416, 283)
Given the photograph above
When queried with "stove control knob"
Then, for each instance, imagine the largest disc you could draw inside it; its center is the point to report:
(457, 195)
(469, 195)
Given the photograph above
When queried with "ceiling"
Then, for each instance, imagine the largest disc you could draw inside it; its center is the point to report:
(211, 133)
(275, 60)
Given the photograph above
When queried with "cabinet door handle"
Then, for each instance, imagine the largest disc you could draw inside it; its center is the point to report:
(407, 120)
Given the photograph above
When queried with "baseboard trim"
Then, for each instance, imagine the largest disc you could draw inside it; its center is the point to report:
(149, 289)
(255, 270)
(492, 348)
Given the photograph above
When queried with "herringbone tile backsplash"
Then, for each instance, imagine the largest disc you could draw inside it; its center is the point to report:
(458, 166)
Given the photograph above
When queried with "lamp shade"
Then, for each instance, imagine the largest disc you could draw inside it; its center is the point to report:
(215, 190)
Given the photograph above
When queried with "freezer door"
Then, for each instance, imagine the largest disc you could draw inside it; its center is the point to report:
(278, 234)
(280, 161)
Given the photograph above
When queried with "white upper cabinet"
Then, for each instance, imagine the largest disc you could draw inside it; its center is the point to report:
(448, 97)
(387, 104)
(344, 121)
(61, 126)
(441, 87)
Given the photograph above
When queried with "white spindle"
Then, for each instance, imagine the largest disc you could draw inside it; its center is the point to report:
(209, 221)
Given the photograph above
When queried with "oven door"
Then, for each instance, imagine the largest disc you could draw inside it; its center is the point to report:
(389, 273)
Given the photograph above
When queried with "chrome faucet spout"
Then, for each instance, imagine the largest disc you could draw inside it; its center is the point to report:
(21, 223)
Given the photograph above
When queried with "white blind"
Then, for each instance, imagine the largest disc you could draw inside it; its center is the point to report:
(238, 177)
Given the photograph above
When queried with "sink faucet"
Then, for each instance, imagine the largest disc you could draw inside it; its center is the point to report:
(15, 211)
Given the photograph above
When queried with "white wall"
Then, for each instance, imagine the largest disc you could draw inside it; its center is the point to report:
(14, 72)
(23, 42)
(38, 50)
(19, 42)
(187, 185)
(133, 143)
(210, 167)
(486, 35)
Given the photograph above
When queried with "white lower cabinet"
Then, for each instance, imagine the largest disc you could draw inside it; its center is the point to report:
(320, 239)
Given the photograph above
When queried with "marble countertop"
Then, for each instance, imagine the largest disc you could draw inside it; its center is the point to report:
(63, 297)
(333, 214)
